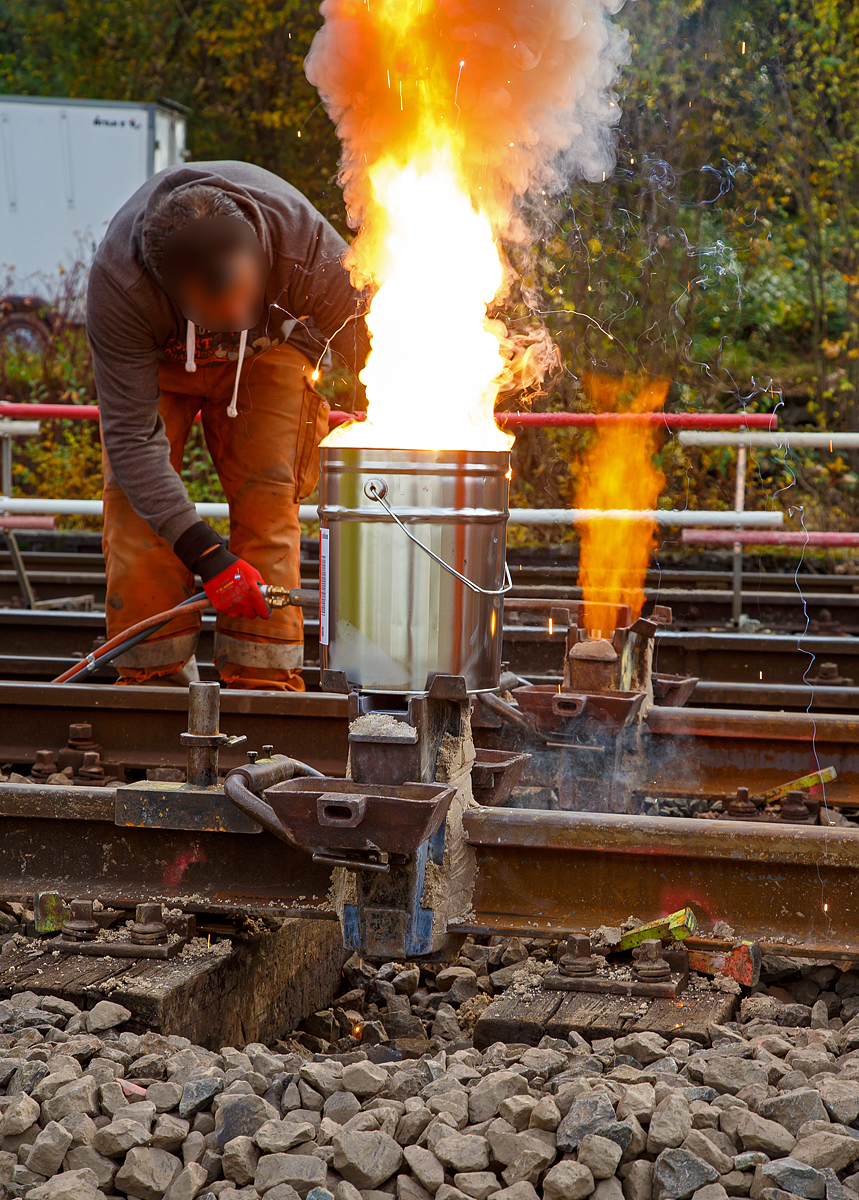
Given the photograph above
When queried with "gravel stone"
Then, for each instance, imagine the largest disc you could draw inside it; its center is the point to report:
(112, 1099)
(480, 1185)
(545, 1115)
(757, 1133)
(639, 1101)
(197, 1094)
(81, 1157)
(645, 1048)
(840, 1098)
(240, 1159)
(608, 1189)
(143, 1112)
(120, 1136)
(50, 1084)
(749, 1159)
(485, 1100)
(410, 1189)
(341, 1107)
(407, 982)
(77, 1096)
(699, 1144)
(670, 1124)
(301, 1171)
(463, 1152)
(566, 1181)
(710, 1191)
(106, 1015)
(588, 1114)
(428, 1170)
(364, 1079)
(366, 1158)
(600, 1155)
(82, 1128)
(792, 1176)
(23, 1112)
(238, 1115)
(518, 1191)
(794, 1109)
(827, 1150)
(453, 1102)
(677, 1174)
(164, 1095)
(729, 1075)
(70, 1185)
(187, 1184)
(638, 1183)
(147, 1173)
(49, 1150)
(169, 1132)
(276, 1137)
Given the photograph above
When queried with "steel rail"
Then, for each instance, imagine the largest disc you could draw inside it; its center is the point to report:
(774, 659)
(544, 873)
(550, 873)
(527, 571)
(141, 726)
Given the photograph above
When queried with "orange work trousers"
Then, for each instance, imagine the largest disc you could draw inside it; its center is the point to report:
(267, 461)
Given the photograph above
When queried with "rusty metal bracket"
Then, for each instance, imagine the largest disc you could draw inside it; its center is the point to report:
(118, 949)
(669, 988)
(149, 934)
(742, 963)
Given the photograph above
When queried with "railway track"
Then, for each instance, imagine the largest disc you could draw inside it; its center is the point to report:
(733, 669)
(699, 599)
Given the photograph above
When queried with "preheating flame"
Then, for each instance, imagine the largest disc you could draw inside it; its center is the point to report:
(450, 111)
(617, 472)
(435, 358)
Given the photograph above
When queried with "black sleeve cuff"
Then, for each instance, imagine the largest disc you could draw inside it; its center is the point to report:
(194, 542)
(213, 563)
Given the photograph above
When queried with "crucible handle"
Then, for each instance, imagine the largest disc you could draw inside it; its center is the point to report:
(377, 489)
(339, 810)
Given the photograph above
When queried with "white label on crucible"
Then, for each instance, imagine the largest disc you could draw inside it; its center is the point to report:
(323, 587)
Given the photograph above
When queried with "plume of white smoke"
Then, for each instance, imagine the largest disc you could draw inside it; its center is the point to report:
(521, 90)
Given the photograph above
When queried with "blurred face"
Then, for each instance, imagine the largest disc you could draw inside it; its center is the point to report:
(229, 298)
(216, 271)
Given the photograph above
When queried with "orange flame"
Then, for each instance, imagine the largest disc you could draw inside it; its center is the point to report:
(617, 471)
(448, 112)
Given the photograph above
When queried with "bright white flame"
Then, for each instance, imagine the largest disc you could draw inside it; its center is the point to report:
(431, 376)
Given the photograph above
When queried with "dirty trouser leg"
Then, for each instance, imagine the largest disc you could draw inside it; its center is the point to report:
(144, 576)
(267, 459)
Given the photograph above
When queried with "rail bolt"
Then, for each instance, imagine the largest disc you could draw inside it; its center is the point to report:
(794, 810)
(741, 808)
(81, 926)
(649, 963)
(148, 928)
(578, 959)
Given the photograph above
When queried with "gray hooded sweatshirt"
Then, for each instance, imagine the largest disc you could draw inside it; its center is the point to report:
(132, 323)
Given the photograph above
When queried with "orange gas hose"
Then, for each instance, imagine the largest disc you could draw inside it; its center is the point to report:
(158, 619)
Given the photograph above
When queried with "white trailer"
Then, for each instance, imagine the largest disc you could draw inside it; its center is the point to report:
(66, 166)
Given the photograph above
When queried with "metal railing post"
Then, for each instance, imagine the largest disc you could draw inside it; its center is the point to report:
(739, 505)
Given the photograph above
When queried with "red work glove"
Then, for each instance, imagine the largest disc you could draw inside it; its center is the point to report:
(235, 591)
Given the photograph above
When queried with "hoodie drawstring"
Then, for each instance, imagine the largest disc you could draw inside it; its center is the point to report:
(191, 365)
(233, 411)
(190, 341)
